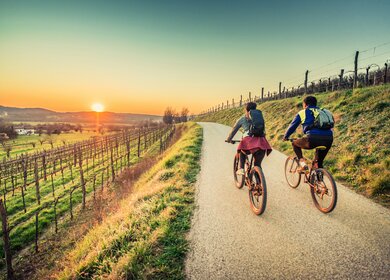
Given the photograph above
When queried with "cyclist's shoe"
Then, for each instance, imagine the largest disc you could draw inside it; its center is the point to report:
(302, 168)
(320, 176)
(240, 172)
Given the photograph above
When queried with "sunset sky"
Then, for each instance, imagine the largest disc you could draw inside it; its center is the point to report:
(142, 56)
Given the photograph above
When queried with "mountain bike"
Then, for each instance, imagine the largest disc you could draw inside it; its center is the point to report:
(322, 185)
(254, 178)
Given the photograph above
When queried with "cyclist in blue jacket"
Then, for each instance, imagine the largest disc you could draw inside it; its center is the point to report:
(314, 136)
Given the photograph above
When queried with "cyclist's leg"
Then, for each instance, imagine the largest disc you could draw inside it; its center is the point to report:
(259, 156)
(242, 159)
(299, 144)
(320, 154)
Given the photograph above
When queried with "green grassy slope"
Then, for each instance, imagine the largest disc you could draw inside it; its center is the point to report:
(360, 153)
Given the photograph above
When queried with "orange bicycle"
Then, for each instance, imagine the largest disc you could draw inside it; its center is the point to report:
(254, 178)
(322, 185)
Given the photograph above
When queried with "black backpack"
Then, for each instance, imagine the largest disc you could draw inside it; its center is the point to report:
(256, 120)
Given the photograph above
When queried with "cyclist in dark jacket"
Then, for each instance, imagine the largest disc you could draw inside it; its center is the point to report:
(313, 138)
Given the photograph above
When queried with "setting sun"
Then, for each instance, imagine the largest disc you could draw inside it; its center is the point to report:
(97, 107)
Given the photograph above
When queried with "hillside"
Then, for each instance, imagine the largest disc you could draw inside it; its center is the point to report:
(41, 115)
(359, 157)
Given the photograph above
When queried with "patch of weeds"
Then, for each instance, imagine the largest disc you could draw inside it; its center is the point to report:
(167, 175)
(381, 106)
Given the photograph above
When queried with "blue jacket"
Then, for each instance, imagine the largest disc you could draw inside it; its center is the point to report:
(306, 118)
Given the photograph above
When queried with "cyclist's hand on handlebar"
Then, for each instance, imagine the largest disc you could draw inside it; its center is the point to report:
(285, 139)
(227, 141)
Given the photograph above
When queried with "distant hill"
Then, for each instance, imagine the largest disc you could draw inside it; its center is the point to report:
(14, 114)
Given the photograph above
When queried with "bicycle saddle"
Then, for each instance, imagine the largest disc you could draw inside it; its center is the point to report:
(321, 148)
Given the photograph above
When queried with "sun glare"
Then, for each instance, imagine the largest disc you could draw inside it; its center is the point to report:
(97, 107)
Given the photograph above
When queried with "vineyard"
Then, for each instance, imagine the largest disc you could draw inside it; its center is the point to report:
(38, 189)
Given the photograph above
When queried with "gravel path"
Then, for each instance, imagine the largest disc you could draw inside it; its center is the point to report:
(292, 239)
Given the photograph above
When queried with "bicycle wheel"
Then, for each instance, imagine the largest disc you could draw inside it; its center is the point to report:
(257, 191)
(293, 177)
(323, 190)
(238, 179)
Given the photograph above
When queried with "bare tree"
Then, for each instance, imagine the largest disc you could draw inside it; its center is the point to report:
(41, 140)
(184, 114)
(169, 115)
(33, 144)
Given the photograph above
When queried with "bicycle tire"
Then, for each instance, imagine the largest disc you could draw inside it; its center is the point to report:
(257, 175)
(238, 182)
(290, 171)
(315, 193)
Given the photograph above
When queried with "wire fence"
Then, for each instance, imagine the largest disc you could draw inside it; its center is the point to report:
(37, 189)
(370, 75)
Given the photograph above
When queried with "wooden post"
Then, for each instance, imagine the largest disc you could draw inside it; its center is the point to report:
(139, 142)
(6, 242)
(250, 97)
(385, 76)
(340, 79)
(55, 215)
(262, 94)
(327, 86)
(36, 231)
(82, 181)
(367, 70)
(312, 87)
(306, 74)
(37, 182)
(356, 69)
(280, 90)
(240, 100)
(44, 166)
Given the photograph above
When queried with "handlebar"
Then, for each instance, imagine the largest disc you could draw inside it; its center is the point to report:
(233, 141)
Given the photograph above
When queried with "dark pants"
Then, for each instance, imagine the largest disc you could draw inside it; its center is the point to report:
(258, 157)
(311, 142)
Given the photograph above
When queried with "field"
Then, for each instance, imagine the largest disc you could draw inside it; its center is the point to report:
(41, 188)
(360, 154)
(31, 143)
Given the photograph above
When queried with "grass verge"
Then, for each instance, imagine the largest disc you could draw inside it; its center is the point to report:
(145, 236)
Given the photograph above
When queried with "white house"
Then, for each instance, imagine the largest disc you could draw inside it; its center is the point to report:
(25, 131)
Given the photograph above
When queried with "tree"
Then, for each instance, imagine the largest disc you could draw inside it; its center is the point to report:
(33, 144)
(184, 115)
(41, 140)
(169, 115)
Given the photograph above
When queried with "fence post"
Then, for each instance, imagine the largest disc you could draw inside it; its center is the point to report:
(6, 242)
(367, 70)
(37, 182)
(82, 181)
(139, 142)
(340, 79)
(280, 90)
(36, 231)
(262, 94)
(250, 97)
(385, 77)
(306, 74)
(240, 100)
(356, 69)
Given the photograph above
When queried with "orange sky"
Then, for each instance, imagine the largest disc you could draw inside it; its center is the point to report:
(142, 56)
